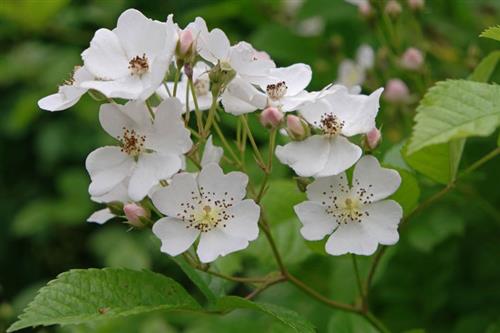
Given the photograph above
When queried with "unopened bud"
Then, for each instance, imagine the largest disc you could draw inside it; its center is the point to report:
(271, 117)
(365, 9)
(396, 91)
(373, 138)
(296, 128)
(393, 8)
(412, 59)
(185, 41)
(416, 5)
(135, 213)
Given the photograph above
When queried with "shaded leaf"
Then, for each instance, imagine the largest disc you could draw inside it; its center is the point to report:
(491, 32)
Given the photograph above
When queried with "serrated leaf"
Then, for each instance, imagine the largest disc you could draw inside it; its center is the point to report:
(408, 192)
(492, 32)
(288, 317)
(86, 295)
(197, 279)
(486, 67)
(455, 109)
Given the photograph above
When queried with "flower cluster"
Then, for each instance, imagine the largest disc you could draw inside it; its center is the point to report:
(153, 74)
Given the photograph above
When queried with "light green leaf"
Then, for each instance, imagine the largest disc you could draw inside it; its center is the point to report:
(486, 67)
(492, 32)
(455, 109)
(438, 162)
(343, 322)
(197, 279)
(279, 200)
(408, 192)
(286, 316)
(80, 296)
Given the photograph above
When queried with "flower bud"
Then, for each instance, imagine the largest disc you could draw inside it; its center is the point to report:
(134, 213)
(296, 128)
(396, 91)
(416, 5)
(271, 117)
(185, 41)
(373, 138)
(365, 9)
(412, 59)
(220, 75)
(393, 8)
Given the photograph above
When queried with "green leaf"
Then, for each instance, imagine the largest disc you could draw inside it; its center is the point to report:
(197, 279)
(343, 322)
(455, 109)
(408, 192)
(438, 162)
(288, 317)
(86, 295)
(486, 67)
(491, 32)
(279, 200)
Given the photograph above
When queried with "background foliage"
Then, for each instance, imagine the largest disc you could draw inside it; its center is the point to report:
(442, 276)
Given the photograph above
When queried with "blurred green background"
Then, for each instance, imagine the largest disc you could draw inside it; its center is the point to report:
(444, 274)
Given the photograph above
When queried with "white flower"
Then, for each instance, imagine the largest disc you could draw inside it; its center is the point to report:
(68, 94)
(357, 217)
(209, 206)
(283, 88)
(131, 60)
(118, 194)
(351, 74)
(201, 83)
(150, 151)
(365, 56)
(337, 115)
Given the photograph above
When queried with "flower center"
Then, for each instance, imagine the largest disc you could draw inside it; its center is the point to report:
(132, 142)
(331, 125)
(201, 87)
(138, 65)
(276, 91)
(204, 212)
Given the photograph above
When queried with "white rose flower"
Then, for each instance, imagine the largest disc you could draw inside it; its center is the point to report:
(131, 60)
(149, 152)
(209, 205)
(356, 217)
(336, 115)
(69, 93)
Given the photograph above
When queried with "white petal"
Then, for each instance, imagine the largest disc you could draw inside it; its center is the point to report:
(246, 93)
(382, 221)
(244, 62)
(101, 216)
(211, 153)
(150, 169)
(140, 35)
(350, 73)
(342, 155)
(105, 57)
(128, 87)
(296, 77)
(236, 106)
(118, 193)
(316, 223)
(293, 103)
(324, 189)
(214, 46)
(175, 237)
(115, 117)
(170, 135)
(107, 166)
(351, 238)
(64, 99)
(369, 175)
(365, 56)
(213, 181)
(306, 157)
(244, 224)
(358, 112)
(182, 189)
(314, 111)
(217, 243)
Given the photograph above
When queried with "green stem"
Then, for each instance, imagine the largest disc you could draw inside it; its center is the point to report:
(199, 118)
(482, 161)
(269, 166)
(226, 144)
(211, 114)
(252, 141)
(150, 109)
(176, 81)
(376, 322)
(358, 280)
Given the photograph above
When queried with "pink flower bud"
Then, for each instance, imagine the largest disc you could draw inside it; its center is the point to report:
(134, 212)
(412, 59)
(416, 4)
(185, 41)
(271, 117)
(393, 8)
(296, 127)
(365, 9)
(373, 138)
(396, 91)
